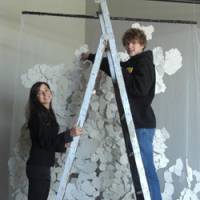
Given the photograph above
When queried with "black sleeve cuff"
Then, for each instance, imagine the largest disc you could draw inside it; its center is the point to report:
(68, 137)
(91, 57)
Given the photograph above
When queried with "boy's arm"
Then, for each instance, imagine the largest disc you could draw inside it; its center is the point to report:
(104, 63)
(139, 81)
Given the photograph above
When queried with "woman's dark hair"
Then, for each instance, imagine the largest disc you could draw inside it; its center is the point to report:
(35, 107)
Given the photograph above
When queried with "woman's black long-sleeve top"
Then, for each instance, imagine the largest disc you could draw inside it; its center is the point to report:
(45, 138)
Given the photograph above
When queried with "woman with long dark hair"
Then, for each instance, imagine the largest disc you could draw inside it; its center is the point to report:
(45, 139)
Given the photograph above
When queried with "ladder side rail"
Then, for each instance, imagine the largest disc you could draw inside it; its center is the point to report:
(127, 139)
(81, 119)
(126, 134)
(125, 101)
(111, 67)
(131, 129)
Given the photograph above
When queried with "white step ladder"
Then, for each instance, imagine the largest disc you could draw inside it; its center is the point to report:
(133, 152)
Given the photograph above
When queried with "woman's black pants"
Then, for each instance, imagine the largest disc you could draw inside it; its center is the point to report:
(39, 182)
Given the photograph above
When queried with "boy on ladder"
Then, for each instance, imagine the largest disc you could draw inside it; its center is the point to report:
(139, 77)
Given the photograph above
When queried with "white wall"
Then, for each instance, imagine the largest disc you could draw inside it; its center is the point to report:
(10, 31)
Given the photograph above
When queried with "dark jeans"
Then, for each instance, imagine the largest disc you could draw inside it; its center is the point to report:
(39, 182)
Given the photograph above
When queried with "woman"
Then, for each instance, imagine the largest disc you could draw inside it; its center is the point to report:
(45, 139)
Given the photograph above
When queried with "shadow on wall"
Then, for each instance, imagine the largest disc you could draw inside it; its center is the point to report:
(17, 166)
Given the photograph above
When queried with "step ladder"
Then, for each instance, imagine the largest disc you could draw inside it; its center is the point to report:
(133, 151)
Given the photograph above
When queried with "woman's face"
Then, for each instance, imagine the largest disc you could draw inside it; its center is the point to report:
(44, 95)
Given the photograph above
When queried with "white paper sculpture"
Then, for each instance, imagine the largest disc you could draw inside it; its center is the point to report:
(148, 30)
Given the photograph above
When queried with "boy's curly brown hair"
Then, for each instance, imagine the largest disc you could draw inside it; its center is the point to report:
(134, 34)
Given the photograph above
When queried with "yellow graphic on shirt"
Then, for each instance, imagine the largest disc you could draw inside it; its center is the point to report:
(130, 69)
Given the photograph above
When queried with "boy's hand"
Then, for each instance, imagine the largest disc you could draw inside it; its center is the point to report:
(76, 131)
(85, 56)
